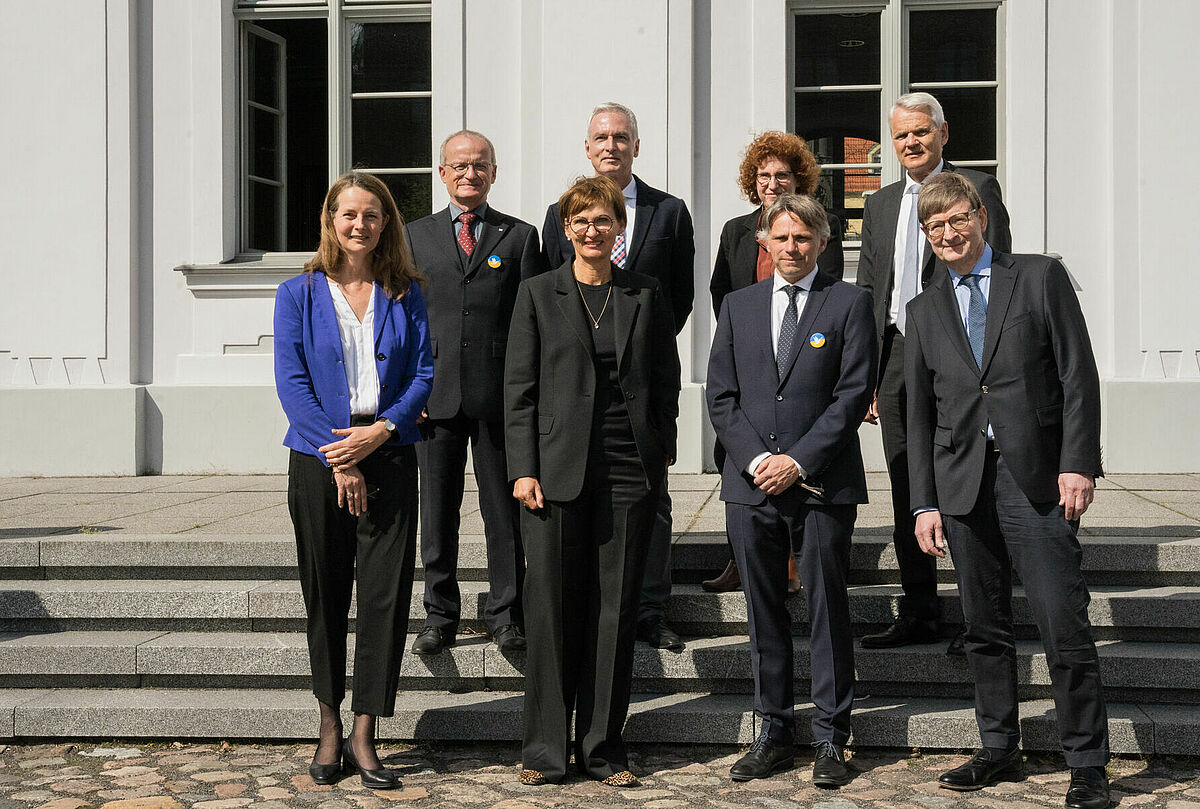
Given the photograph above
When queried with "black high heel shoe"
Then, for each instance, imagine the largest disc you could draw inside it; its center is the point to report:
(371, 779)
(324, 774)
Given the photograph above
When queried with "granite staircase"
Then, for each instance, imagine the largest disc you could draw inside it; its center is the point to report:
(120, 634)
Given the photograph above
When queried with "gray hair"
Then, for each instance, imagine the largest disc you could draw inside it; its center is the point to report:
(612, 106)
(801, 206)
(921, 102)
(470, 133)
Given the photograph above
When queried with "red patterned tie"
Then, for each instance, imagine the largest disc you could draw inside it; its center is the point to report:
(466, 233)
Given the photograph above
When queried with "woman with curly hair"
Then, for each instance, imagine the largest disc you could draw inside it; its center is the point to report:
(775, 163)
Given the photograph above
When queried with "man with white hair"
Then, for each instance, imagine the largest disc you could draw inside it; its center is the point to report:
(658, 241)
(896, 263)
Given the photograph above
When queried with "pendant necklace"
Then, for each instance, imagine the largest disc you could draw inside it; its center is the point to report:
(595, 320)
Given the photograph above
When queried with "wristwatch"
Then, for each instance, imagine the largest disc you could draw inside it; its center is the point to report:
(390, 426)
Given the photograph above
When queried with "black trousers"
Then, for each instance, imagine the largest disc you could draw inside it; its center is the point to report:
(762, 537)
(656, 582)
(586, 560)
(918, 570)
(1005, 531)
(376, 551)
(442, 458)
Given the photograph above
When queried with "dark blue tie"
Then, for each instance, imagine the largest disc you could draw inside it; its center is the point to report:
(976, 316)
(787, 331)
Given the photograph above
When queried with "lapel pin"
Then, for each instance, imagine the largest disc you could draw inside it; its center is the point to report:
(494, 262)
(817, 340)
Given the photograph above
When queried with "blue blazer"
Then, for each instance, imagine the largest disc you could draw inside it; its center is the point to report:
(309, 374)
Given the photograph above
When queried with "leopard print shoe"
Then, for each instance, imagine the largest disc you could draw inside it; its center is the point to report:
(531, 778)
(624, 778)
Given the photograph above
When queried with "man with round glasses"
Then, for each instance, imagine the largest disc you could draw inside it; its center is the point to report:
(895, 265)
(658, 241)
(474, 257)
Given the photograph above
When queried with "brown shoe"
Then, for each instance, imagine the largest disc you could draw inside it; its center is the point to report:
(727, 582)
(624, 778)
(531, 778)
(794, 585)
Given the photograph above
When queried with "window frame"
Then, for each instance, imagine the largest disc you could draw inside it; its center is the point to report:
(339, 16)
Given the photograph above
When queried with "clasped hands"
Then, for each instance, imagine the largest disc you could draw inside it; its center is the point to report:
(776, 473)
(343, 457)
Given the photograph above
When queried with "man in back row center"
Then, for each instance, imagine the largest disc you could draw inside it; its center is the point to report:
(658, 241)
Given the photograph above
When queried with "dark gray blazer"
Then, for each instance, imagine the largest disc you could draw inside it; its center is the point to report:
(1039, 386)
(813, 413)
(470, 304)
(550, 379)
(876, 272)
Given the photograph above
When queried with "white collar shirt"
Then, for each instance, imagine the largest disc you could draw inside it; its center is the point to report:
(907, 227)
(358, 352)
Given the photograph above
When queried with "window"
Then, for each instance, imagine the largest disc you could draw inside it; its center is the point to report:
(851, 61)
(326, 88)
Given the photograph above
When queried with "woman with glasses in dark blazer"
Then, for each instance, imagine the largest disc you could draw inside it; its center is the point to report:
(591, 392)
(353, 370)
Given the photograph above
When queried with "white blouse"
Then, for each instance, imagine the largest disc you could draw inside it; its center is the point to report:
(358, 352)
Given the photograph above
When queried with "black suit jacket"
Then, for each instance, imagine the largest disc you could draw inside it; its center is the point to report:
(875, 263)
(662, 245)
(812, 414)
(1039, 387)
(737, 256)
(550, 379)
(470, 304)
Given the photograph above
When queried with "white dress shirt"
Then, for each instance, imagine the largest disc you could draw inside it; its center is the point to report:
(630, 194)
(358, 352)
(779, 305)
(907, 227)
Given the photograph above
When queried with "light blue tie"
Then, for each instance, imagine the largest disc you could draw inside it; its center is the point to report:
(787, 331)
(976, 316)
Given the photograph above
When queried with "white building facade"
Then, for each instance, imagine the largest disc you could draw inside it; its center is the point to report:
(164, 162)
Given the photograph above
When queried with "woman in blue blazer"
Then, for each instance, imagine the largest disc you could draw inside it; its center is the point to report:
(353, 369)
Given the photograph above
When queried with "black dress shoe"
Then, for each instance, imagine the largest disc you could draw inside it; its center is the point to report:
(509, 638)
(324, 774)
(957, 646)
(727, 582)
(1089, 789)
(983, 770)
(431, 641)
(765, 757)
(655, 632)
(905, 631)
(829, 766)
(371, 779)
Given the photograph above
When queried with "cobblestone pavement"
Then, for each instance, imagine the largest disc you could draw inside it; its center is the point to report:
(267, 776)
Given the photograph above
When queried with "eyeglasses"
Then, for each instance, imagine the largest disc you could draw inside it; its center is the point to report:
(579, 226)
(781, 177)
(460, 169)
(934, 228)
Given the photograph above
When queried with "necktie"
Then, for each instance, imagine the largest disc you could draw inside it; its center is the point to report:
(466, 233)
(976, 317)
(618, 251)
(912, 243)
(787, 331)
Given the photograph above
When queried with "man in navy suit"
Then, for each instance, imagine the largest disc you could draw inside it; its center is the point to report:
(661, 244)
(791, 372)
(474, 257)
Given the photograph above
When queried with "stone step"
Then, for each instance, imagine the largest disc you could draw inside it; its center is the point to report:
(1133, 613)
(1132, 670)
(1163, 560)
(496, 716)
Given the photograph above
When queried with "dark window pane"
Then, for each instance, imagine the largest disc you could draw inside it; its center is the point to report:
(412, 192)
(391, 132)
(262, 136)
(845, 192)
(837, 49)
(307, 135)
(390, 57)
(265, 205)
(971, 114)
(952, 45)
(826, 119)
(262, 59)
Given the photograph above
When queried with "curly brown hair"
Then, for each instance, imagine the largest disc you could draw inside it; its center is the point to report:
(785, 147)
(392, 264)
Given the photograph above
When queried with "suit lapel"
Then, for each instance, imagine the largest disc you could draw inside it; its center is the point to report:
(324, 315)
(814, 300)
(447, 242)
(494, 229)
(947, 309)
(567, 295)
(641, 224)
(1000, 292)
(745, 253)
(383, 308)
(625, 306)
